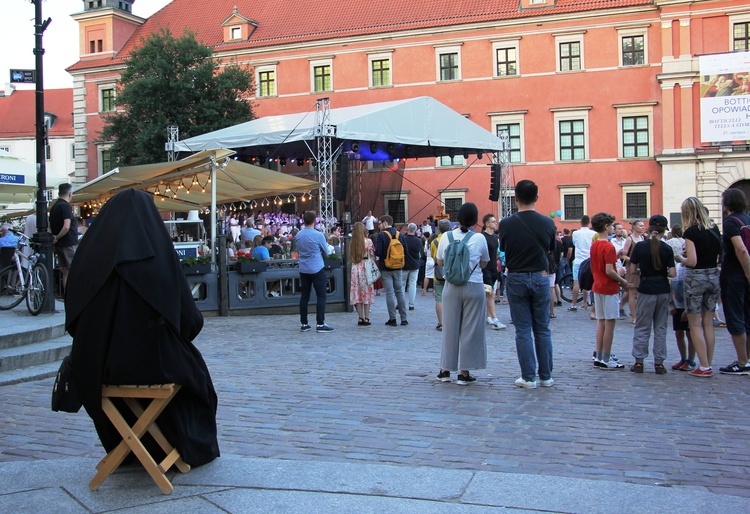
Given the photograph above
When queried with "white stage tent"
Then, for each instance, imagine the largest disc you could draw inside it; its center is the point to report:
(416, 127)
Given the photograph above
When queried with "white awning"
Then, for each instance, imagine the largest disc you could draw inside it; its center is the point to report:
(425, 125)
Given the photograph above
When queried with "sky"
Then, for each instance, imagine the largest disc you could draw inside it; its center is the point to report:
(60, 38)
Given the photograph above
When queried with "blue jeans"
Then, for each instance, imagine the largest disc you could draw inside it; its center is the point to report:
(528, 297)
(307, 282)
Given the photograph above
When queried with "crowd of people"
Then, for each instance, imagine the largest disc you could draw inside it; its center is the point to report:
(684, 273)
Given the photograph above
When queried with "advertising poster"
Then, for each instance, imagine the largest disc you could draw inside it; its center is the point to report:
(725, 97)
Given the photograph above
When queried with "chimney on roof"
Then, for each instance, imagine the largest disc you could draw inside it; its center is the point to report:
(9, 88)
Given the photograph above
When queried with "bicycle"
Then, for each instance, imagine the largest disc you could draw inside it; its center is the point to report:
(566, 288)
(18, 282)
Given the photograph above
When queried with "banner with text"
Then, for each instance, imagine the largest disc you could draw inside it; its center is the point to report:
(725, 97)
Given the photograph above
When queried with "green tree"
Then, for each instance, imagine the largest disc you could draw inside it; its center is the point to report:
(173, 81)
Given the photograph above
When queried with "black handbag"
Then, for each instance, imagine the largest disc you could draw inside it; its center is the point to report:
(64, 395)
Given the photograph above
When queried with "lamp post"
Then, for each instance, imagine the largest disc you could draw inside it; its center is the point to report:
(42, 236)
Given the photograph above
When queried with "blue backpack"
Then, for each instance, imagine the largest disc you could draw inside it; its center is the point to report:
(456, 260)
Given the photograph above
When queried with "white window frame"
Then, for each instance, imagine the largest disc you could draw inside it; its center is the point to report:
(628, 111)
(447, 49)
(635, 188)
(569, 37)
(458, 161)
(314, 63)
(568, 115)
(511, 118)
(628, 32)
(105, 87)
(381, 56)
(501, 44)
(235, 33)
(99, 157)
(735, 18)
(264, 69)
(573, 190)
(396, 196)
(446, 195)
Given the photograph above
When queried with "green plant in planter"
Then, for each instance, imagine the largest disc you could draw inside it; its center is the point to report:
(192, 260)
(333, 256)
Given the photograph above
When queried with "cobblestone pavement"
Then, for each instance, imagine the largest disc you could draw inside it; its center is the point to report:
(369, 394)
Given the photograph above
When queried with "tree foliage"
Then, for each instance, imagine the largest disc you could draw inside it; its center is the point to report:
(173, 81)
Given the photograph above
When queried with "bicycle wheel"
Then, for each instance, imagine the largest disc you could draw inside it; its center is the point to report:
(37, 292)
(12, 286)
(566, 288)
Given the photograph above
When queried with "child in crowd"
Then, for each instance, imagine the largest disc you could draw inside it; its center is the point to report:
(655, 260)
(679, 322)
(606, 290)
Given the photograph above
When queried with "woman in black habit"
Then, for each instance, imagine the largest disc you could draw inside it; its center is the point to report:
(132, 318)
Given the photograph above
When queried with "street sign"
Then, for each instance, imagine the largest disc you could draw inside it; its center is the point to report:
(23, 76)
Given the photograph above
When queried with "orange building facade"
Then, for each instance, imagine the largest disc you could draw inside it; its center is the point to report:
(600, 99)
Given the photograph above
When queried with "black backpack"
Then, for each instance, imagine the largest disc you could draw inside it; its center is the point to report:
(585, 276)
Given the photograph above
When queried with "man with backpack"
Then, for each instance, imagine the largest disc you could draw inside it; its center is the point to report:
(735, 279)
(526, 237)
(389, 254)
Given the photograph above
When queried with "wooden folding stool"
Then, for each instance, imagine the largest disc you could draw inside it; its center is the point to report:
(160, 396)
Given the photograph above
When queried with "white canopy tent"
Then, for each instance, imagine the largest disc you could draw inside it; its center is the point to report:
(415, 127)
(200, 180)
(18, 184)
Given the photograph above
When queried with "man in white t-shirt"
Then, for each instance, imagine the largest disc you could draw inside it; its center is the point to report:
(369, 222)
(582, 239)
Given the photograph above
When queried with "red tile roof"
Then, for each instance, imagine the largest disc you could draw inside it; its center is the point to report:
(18, 112)
(295, 21)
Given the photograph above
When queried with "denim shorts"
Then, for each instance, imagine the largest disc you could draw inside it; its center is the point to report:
(701, 290)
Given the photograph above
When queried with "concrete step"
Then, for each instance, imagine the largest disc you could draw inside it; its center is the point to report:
(35, 354)
(30, 374)
(30, 334)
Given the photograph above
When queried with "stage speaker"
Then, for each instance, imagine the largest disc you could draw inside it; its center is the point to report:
(342, 179)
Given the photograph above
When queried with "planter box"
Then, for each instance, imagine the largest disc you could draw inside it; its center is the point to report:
(197, 269)
(251, 267)
(332, 263)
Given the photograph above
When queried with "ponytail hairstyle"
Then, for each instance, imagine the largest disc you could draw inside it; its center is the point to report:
(657, 225)
(656, 234)
(468, 216)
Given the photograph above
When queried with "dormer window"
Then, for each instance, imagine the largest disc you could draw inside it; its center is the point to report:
(237, 27)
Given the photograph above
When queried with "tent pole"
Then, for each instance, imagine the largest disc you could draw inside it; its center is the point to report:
(213, 210)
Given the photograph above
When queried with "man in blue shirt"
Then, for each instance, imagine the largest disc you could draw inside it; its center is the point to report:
(248, 232)
(262, 252)
(311, 247)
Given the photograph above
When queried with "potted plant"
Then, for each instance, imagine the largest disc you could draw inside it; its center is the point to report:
(248, 264)
(196, 265)
(332, 261)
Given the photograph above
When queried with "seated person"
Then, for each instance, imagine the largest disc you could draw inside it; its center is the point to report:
(262, 251)
(231, 253)
(133, 318)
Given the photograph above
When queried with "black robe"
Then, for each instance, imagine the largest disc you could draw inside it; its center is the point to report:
(132, 317)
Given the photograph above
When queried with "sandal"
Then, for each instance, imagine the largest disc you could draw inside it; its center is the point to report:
(361, 322)
(552, 316)
(367, 322)
(439, 327)
(637, 367)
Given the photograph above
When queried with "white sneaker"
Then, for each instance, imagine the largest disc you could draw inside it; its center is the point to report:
(497, 325)
(546, 383)
(612, 364)
(490, 321)
(528, 384)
